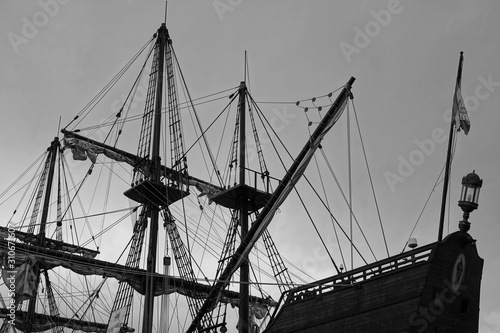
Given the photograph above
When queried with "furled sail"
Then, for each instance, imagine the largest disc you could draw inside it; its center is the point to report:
(49, 243)
(83, 147)
(81, 150)
(19, 279)
(134, 277)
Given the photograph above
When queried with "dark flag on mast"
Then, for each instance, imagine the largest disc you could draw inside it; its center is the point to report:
(459, 117)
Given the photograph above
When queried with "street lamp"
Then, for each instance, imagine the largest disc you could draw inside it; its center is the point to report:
(471, 184)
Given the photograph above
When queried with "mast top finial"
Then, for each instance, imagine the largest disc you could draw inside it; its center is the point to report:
(165, 20)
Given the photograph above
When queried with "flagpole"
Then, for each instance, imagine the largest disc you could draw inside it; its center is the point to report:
(448, 154)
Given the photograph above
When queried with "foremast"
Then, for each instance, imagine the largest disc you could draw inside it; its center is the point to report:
(51, 159)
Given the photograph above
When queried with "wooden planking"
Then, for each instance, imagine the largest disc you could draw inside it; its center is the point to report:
(353, 307)
(415, 298)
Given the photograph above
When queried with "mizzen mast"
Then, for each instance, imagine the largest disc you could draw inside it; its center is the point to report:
(244, 269)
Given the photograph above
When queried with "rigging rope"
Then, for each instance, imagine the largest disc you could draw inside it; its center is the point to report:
(37, 160)
(370, 177)
(197, 118)
(202, 135)
(328, 206)
(91, 105)
(110, 120)
(261, 115)
(132, 93)
(346, 201)
(436, 183)
(349, 171)
(226, 176)
(324, 192)
(297, 103)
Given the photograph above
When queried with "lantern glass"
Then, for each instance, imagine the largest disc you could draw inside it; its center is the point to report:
(469, 194)
(476, 195)
(463, 194)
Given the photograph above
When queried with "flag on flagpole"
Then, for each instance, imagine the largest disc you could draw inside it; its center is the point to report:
(460, 118)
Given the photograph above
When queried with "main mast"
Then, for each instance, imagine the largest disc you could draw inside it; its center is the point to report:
(147, 323)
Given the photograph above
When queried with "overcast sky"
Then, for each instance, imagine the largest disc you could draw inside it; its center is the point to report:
(404, 54)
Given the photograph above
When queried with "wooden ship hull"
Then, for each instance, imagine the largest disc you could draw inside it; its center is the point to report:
(434, 288)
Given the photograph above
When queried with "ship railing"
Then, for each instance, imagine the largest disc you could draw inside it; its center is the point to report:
(262, 180)
(355, 277)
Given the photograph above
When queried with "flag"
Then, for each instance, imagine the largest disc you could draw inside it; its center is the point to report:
(459, 117)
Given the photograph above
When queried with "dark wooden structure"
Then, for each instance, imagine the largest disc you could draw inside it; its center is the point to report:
(434, 288)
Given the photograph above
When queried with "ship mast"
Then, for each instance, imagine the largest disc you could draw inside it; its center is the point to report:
(448, 154)
(54, 146)
(147, 323)
(244, 269)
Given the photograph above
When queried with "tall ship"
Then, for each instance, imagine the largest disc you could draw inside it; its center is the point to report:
(175, 235)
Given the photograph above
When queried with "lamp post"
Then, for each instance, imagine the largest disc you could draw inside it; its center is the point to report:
(471, 184)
